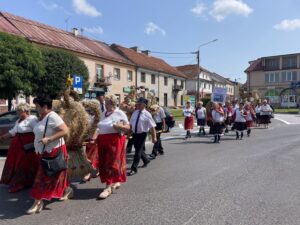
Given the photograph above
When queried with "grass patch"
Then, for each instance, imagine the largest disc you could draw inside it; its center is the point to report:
(177, 113)
(287, 110)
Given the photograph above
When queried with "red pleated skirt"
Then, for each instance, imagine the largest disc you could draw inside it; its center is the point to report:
(249, 123)
(92, 154)
(112, 158)
(20, 167)
(45, 187)
(189, 123)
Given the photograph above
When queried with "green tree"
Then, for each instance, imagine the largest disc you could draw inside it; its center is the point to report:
(58, 65)
(20, 62)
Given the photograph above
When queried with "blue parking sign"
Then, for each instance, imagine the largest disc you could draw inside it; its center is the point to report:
(78, 83)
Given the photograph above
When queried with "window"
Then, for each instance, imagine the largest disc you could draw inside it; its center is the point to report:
(181, 100)
(271, 77)
(289, 62)
(99, 71)
(152, 78)
(175, 81)
(182, 84)
(143, 77)
(205, 85)
(165, 99)
(289, 76)
(166, 81)
(272, 64)
(272, 95)
(129, 75)
(117, 74)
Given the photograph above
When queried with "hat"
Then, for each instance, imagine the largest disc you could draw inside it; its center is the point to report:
(142, 100)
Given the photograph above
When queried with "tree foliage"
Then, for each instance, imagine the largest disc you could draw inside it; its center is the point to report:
(20, 62)
(58, 65)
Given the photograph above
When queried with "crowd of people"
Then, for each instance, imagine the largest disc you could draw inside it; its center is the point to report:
(239, 117)
(38, 154)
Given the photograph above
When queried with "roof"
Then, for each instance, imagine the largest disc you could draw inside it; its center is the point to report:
(54, 37)
(192, 71)
(255, 65)
(218, 78)
(148, 62)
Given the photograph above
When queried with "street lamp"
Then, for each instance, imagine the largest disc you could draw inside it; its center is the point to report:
(198, 61)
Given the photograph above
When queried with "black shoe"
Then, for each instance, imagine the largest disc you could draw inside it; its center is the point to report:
(161, 152)
(131, 173)
(226, 130)
(151, 156)
(145, 165)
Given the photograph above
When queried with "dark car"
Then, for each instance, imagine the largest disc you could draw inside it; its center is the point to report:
(170, 122)
(7, 122)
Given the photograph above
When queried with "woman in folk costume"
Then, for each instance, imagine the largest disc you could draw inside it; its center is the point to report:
(265, 113)
(49, 142)
(218, 121)
(250, 117)
(228, 110)
(257, 113)
(188, 112)
(201, 117)
(93, 110)
(240, 121)
(21, 163)
(111, 146)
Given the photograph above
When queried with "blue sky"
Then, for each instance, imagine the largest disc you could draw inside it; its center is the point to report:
(245, 29)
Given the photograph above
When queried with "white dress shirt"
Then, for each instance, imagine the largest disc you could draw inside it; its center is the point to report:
(159, 116)
(145, 121)
(239, 116)
(25, 126)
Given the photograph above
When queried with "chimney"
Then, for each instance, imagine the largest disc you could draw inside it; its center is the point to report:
(146, 52)
(75, 32)
(135, 48)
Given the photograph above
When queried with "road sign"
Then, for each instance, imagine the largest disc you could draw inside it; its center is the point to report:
(77, 83)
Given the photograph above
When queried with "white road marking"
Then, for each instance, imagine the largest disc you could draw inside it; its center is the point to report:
(286, 122)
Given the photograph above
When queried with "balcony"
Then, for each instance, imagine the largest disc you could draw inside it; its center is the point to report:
(177, 88)
(102, 82)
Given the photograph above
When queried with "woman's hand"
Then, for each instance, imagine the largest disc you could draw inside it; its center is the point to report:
(46, 140)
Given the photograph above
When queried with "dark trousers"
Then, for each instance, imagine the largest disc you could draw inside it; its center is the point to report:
(139, 145)
(157, 147)
(129, 145)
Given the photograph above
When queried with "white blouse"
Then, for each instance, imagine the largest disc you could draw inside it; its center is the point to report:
(201, 113)
(239, 116)
(187, 112)
(25, 126)
(217, 117)
(54, 121)
(105, 126)
(159, 116)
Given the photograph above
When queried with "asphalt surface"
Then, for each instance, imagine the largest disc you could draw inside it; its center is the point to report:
(251, 181)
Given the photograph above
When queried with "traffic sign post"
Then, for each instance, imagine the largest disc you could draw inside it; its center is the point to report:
(78, 83)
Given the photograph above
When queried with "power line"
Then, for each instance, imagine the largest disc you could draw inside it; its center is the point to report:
(172, 53)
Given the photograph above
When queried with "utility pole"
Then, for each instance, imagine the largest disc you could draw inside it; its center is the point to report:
(198, 61)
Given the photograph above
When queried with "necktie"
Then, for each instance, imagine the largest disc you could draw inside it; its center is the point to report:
(137, 121)
(102, 107)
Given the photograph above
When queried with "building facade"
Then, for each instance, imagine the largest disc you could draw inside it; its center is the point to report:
(276, 78)
(156, 76)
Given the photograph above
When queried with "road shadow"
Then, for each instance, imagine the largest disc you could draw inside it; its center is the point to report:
(86, 193)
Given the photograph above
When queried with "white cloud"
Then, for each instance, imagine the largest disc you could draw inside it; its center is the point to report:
(48, 6)
(199, 9)
(288, 25)
(152, 28)
(94, 30)
(83, 7)
(223, 8)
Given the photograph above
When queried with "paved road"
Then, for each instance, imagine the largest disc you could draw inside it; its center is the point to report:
(251, 181)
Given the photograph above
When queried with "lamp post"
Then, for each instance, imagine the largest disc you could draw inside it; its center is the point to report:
(198, 61)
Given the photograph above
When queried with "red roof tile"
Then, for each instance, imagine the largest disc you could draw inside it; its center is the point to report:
(192, 71)
(147, 62)
(255, 65)
(51, 36)
(6, 26)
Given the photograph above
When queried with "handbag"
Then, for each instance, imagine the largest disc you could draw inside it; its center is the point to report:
(28, 147)
(53, 165)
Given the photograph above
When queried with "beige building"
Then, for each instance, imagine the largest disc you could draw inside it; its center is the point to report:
(275, 78)
(156, 76)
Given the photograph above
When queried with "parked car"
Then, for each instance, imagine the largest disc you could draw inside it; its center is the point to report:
(7, 122)
(170, 122)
